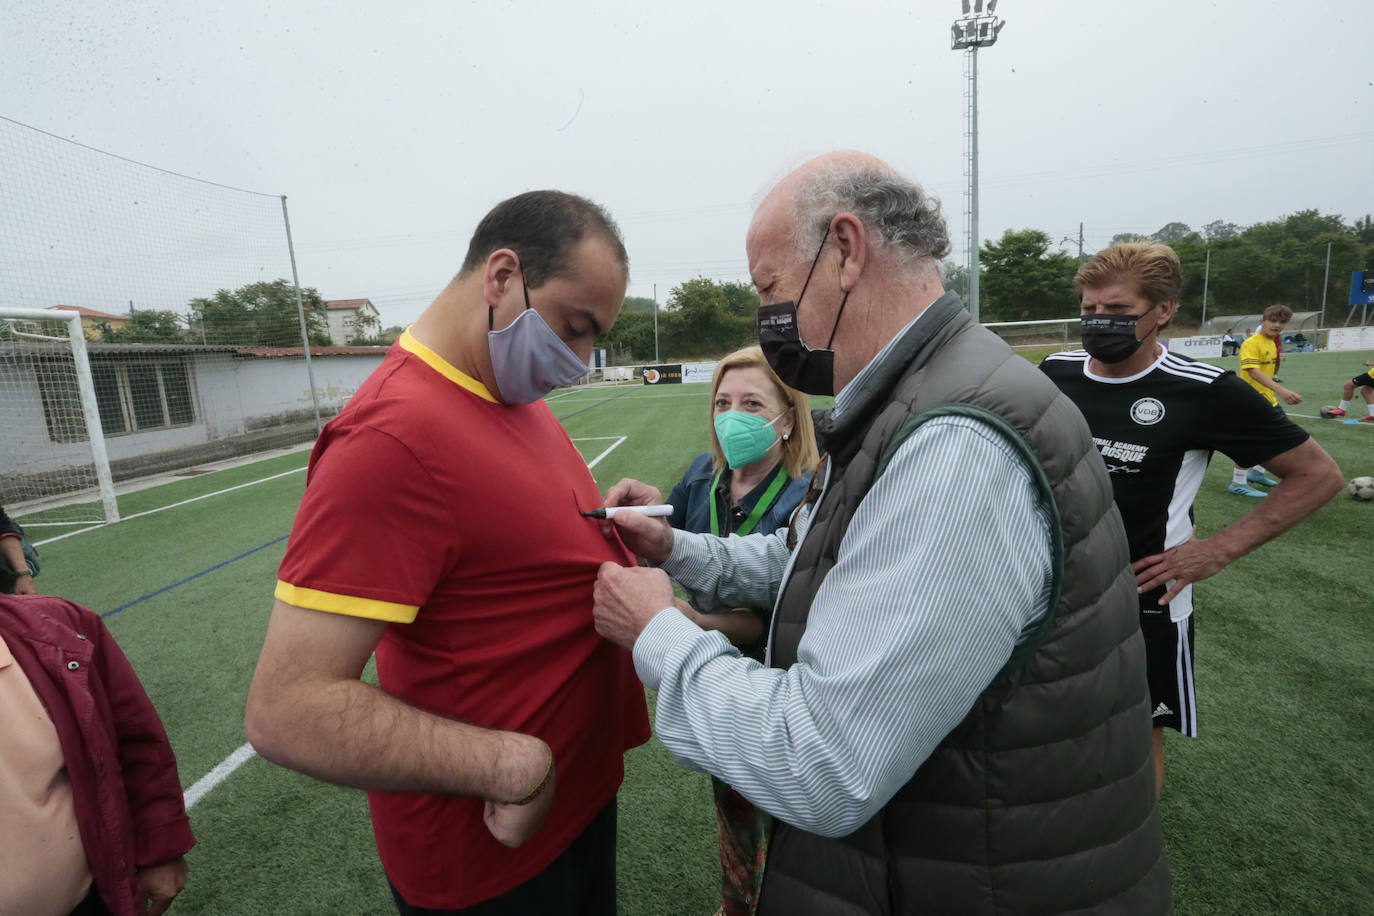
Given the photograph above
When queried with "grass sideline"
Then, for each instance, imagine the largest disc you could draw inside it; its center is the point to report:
(1268, 812)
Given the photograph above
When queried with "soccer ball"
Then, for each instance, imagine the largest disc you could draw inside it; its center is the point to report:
(1361, 488)
(1328, 412)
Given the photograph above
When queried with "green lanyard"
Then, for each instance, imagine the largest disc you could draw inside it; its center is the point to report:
(765, 502)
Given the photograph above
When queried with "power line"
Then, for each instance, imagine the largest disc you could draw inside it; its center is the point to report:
(145, 165)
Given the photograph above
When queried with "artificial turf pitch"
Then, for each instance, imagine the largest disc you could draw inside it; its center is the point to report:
(1271, 810)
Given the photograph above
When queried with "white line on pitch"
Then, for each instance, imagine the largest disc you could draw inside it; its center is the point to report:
(218, 775)
(184, 502)
(610, 448)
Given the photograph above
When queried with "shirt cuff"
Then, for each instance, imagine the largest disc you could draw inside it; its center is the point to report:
(668, 628)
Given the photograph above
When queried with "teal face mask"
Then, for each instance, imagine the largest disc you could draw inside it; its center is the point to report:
(744, 437)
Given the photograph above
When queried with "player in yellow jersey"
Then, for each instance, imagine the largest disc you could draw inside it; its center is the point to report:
(1259, 356)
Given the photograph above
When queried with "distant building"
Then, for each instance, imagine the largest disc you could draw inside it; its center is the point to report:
(344, 315)
(91, 320)
(161, 406)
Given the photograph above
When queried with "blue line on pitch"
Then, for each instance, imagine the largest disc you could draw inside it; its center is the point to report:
(168, 588)
(590, 407)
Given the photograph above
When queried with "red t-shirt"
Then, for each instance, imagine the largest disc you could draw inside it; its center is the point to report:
(432, 506)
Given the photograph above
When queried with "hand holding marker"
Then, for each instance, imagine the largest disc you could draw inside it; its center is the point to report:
(653, 511)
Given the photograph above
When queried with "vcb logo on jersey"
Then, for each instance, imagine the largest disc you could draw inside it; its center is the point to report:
(1147, 411)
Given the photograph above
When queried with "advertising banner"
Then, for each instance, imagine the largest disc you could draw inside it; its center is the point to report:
(1196, 347)
(663, 375)
(697, 372)
(1350, 339)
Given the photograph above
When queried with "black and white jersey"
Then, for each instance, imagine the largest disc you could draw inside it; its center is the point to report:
(1156, 432)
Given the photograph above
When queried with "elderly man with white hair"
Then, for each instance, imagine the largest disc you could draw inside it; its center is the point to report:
(953, 714)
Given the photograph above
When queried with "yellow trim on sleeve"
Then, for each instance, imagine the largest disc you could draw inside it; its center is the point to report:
(443, 367)
(330, 603)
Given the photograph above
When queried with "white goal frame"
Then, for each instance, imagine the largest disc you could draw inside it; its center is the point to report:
(76, 336)
(1046, 323)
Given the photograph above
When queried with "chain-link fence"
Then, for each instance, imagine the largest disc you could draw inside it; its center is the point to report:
(199, 337)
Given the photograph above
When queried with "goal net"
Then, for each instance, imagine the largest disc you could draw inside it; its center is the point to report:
(1035, 339)
(57, 471)
(175, 298)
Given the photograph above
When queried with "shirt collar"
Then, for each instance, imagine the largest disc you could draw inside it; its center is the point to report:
(849, 392)
(449, 371)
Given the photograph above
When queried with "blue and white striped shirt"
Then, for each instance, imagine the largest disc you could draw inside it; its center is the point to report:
(945, 566)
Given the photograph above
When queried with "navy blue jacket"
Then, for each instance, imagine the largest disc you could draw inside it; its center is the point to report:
(691, 500)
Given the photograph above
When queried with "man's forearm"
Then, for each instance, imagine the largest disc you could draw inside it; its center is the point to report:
(353, 734)
(737, 571)
(13, 550)
(1297, 496)
(1263, 379)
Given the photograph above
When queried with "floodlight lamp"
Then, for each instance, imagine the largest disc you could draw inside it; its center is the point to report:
(978, 27)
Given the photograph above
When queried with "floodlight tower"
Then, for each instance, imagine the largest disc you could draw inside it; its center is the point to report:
(977, 28)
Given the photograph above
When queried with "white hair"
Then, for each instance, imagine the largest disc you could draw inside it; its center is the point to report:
(898, 214)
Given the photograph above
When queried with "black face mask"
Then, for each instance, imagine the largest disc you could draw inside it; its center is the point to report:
(799, 366)
(1111, 339)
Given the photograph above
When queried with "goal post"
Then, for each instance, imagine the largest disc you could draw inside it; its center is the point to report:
(40, 376)
(1032, 338)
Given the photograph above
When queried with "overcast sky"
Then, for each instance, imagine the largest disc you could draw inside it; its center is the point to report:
(393, 127)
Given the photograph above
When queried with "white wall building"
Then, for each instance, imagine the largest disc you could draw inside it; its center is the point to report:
(344, 314)
(165, 407)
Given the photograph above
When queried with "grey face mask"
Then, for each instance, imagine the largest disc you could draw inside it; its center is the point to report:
(528, 359)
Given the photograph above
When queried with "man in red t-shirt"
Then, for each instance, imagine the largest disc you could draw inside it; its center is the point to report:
(440, 529)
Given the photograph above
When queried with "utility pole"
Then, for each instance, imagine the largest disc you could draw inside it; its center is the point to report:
(655, 322)
(976, 28)
(1069, 239)
(1206, 275)
(1326, 281)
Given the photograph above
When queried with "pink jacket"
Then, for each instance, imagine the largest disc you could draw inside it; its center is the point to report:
(129, 804)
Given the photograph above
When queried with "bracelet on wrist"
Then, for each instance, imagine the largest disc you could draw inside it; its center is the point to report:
(543, 784)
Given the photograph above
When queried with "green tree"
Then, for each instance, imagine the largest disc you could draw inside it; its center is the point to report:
(260, 314)
(706, 317)
(631, 338)
(954, 277)
(147, 326)
(1023, 280)
(1220, 230)
(1171, 232)
(637, 304)
(1364, 229)
(364, 329)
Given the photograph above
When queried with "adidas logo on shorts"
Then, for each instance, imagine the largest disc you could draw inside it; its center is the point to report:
(1162, 710)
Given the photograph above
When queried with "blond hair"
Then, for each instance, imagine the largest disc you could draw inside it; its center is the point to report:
(1154, 270)
(799, 453)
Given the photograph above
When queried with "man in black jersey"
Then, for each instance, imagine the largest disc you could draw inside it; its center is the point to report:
(1157, 417)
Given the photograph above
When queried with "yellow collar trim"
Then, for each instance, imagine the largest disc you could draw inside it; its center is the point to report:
(443, 367)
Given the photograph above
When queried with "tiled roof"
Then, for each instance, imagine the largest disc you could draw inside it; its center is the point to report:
(89, 313)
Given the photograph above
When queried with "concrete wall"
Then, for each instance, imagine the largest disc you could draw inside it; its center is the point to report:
(234, 398)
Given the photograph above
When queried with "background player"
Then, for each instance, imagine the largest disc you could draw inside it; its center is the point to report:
(1157, 417)
(1259, 365)
(1365, 382)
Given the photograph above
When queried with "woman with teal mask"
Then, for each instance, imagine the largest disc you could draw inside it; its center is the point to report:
(763, 450)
